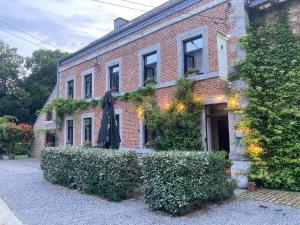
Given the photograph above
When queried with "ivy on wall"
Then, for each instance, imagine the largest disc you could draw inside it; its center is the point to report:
(62, 106)
(272, 118)
(176, 125)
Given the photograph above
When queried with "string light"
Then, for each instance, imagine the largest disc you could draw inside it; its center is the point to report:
(180, 107)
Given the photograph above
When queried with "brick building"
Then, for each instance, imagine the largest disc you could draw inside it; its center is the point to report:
(198, 38)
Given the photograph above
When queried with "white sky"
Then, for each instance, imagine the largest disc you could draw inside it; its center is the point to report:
(67, 24)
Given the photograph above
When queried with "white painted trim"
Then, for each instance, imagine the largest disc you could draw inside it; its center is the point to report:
(69, 78)
(66, 129)
(83, 116)
(142, 53)
(139, 35)
(107, 78)
(120, 113)
(83, 74)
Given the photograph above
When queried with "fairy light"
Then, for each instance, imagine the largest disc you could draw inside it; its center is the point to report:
(140, 112)
(180, 107)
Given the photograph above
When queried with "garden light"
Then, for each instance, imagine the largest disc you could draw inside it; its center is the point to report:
(180, 107)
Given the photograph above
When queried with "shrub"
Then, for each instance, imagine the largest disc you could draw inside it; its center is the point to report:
(108, 173)
(177, 181)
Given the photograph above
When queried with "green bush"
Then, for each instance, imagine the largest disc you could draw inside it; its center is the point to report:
(178, 181)
(108, 173)
(57, 165)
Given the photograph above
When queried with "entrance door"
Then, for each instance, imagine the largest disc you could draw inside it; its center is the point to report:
(217, 132)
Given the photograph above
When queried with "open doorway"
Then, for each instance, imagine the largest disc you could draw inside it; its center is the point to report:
(217, 132)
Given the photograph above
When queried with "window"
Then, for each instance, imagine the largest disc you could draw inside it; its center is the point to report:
(193, 55)
(70, 89)
(50, 139)
(149, 136)
(150, 68)
(88, 86)
(87, 126)
(49, 116)
(114, 73)
(69, 132)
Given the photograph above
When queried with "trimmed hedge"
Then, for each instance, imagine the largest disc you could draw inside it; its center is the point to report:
(178, 181)
(108, 173)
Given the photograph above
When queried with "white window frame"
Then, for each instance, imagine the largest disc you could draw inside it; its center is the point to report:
(108, 65)
(84, 116)
(120, 113)
(142, 53)
(83, 74)
(66, 129)
(66, 86)
(181, 38)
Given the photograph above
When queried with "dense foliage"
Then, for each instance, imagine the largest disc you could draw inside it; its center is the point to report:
(179, 181)
(108, 173)
(14, 138)
(272, 117)
(62, 106)
(22, 94)
(177, 125)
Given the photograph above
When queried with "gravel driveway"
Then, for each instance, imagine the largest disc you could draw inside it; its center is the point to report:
(36, 202)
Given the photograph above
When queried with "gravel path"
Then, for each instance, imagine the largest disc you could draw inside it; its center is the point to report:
(36, 202)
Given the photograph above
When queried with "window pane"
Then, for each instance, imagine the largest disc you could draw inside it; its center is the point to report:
(88, 86)
(88, 130)
(150, 68)
(70, 132)
(71, 88)
(114, 78)
(194, 45)
(150, 59)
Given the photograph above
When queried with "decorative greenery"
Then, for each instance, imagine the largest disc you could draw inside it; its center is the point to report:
(179, 181)
(14, 138)
(177, 125)
(272, 117)
(108, 173)
(68, 106)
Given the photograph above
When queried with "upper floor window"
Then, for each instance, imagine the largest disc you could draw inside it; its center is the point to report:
(87, 129)
(193, 55)
(70, 89)
(49, 116)
(114, 73)
(150, 68)
(69, 132)
(88, 86)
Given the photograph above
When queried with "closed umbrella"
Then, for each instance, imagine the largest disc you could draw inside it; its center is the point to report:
(108, 136)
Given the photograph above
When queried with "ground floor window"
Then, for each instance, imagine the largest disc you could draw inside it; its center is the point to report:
(69, 132)
(217, 132)
(87, 126)
(50, 139)
(149, 136)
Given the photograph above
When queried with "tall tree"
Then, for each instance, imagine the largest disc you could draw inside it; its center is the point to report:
(40, 83)
(10, 69)
(22, 96)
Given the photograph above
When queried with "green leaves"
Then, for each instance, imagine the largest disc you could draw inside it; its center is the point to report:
(108, 173)
(272, 72)
(177, 181)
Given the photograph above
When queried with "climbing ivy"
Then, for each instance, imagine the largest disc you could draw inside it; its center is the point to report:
(272, 117)
(62, 106)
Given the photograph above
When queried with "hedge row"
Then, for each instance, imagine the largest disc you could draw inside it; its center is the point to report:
(179, 181)
(111, 174)
(173, 181)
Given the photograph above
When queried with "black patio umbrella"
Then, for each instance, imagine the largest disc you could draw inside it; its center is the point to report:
(108, 136)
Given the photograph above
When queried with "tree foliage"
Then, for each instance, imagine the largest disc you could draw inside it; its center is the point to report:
(20, 95)
(272, 117)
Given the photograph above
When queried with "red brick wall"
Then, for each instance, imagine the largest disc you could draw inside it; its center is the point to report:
(167, 38)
